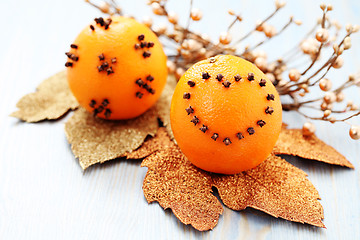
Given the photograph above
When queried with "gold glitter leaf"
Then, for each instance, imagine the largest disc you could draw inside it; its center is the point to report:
(275, 187)
(292, 142)
(52, 100)
(175, 183)
(94, 140)
(151, 144)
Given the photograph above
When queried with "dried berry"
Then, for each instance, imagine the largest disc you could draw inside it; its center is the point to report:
(215, 136)
(239, 135)
(92, 103)
(204, 128)
(262, 82)
(237, 77)
(270, 97)
(261, 123)
(101, 57)
(105, 102)
(189, 110)
(146, 54)
(251, 130)
(139, 95)
(195, 120)
(251, 76)
(269, 110)
(150, 78)
(227, 141)
(139, 82)
(186, 96)
(219, 77)
(191, 83)
(205, 75)
(226, 84)
(141, 37)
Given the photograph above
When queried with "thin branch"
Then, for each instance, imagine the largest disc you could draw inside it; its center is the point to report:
(259, 25)
(266, 40)
(237, 18)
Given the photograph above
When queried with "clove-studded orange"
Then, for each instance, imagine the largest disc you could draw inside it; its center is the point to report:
(225, 114)
(116, 68)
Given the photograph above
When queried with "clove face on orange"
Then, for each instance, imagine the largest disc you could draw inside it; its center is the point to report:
(226, 115)
(116, 68)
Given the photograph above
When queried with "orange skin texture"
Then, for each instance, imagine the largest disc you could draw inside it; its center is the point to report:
(119, 88)
(225, 111)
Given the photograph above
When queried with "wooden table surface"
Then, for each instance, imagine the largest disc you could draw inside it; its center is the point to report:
(44, 194)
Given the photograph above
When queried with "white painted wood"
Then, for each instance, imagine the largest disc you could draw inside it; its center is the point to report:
(45, 195)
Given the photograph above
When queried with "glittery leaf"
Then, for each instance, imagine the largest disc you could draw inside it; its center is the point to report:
(151, 144)
(274, 187)
(292, 142)
(52, 100)
(94, 140)
(175, 183)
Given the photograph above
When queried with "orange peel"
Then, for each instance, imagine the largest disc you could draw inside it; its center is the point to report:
(226, 115)
(116, 68)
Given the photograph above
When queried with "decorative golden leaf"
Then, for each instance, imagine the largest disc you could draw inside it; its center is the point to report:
(94, 140)
(275, 187)
(51, 101)
(292, 142)
(151, 144)
(175, 183)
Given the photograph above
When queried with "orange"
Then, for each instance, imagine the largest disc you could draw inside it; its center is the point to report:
(225, 114)
(116, 68)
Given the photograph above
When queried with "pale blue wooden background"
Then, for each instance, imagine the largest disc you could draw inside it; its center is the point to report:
(45, 195)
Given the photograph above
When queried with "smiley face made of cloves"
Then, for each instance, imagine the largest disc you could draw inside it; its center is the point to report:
(226, 116)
